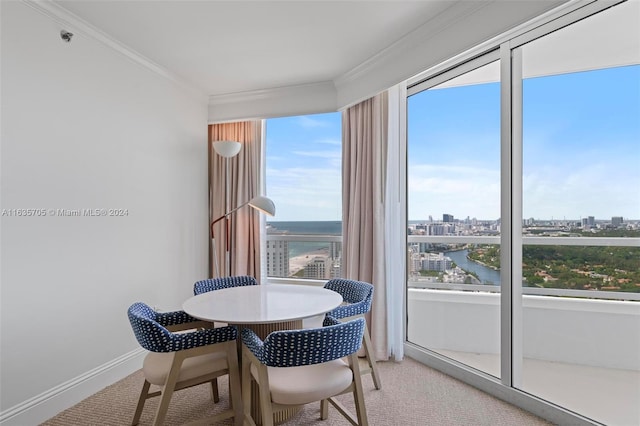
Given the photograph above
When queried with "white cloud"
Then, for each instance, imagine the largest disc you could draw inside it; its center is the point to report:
(461, 191)
(305, 193)
(308, 122)
(595, 189)
(319, 154)
(329, 141)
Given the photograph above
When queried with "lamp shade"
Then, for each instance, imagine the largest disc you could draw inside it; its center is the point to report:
(264, 204)
(227, 148)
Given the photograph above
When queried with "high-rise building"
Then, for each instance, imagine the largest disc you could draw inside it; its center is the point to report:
(617, 221)
(277, 258)
(335, 250)
(435, 229)
(588, 222)
(440, 229)
(336, 269)
(318, 268)
(447, 218)
(436, 262)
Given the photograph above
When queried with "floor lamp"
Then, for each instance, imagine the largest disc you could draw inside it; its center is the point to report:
(260, 203)
(228, 149)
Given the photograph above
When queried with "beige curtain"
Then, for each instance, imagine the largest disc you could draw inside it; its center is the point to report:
(233, 182)
(364, 148)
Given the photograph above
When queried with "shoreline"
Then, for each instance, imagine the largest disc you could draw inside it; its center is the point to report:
(298, 263)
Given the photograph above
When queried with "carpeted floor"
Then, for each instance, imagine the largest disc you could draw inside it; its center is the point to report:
(411, 394)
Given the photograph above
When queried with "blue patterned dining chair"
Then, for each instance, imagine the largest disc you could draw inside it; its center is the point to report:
(357, 297)
(292, 368)
(184, 352)
(212, 284)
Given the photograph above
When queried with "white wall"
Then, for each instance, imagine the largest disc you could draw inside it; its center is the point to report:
(84, 127)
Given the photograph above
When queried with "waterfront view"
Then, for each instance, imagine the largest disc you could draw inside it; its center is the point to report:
(313, 250)
(484, 274)
(304, 249)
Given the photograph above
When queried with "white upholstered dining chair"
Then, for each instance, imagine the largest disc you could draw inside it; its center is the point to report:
(292, 368)
(184, 352)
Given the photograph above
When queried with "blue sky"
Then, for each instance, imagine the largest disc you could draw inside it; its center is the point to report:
(581, 152)
(304, 167)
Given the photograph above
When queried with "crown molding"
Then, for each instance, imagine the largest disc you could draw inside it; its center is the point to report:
(275, 102)
(265, 94)
(72, 22)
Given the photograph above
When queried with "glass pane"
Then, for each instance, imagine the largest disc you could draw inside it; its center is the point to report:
(454, 219)
(303, 176)
(581, 208)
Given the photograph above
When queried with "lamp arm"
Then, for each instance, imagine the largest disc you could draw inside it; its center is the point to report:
(226, 215)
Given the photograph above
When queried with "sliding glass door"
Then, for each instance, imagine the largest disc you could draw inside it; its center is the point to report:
(454, 215)
(581, 205)
(524, 213)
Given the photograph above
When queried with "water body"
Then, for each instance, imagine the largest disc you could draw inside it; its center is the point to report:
(307, 228)
(485, 274)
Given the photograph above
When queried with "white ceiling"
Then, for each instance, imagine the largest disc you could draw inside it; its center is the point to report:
(224, 47)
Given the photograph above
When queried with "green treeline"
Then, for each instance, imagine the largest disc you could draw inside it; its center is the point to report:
(572, 267)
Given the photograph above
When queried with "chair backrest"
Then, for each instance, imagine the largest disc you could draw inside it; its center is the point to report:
(292, 348)
(150, 334)
(150, 330)
(358, 295)
(224, 282)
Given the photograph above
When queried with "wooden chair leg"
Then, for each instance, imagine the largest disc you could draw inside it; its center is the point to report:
(358, 393)
(167, 390)
(266, 409)
(215, 395)
(143, 398)
(245, 376)
(373, 366)
(235, 392)
(324, 409)
(163, 406)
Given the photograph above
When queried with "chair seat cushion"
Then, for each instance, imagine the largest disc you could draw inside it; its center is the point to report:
(156, 366)
(309, 383)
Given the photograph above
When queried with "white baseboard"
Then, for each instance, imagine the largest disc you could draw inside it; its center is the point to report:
(46, 405)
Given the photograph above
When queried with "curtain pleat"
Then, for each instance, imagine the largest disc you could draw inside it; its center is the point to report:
(364, 158)
(233, 182)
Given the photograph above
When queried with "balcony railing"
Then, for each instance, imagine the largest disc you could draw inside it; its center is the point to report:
(304, 249)
(527, 240)
(534, 241)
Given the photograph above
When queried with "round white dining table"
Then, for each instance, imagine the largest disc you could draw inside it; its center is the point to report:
(262, 304)
(263, 309)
